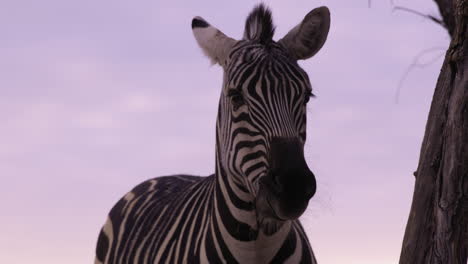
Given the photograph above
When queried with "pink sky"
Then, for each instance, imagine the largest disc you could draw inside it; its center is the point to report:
(97, 96)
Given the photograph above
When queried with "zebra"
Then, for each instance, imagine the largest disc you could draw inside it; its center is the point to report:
(248, 210)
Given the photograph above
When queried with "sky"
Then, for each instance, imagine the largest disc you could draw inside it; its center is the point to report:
(98, 96)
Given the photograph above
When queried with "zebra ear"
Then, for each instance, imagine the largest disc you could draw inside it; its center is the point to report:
(213, 42)
(307, 38)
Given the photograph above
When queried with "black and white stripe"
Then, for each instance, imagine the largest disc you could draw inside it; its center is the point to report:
(247, 211)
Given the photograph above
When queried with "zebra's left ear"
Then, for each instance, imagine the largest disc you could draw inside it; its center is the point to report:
(307, 38)
(212, 41)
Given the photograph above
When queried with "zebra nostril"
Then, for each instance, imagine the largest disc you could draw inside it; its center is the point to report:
(276, 180)
(277, 184)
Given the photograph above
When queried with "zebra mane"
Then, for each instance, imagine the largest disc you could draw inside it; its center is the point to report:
(259, 25)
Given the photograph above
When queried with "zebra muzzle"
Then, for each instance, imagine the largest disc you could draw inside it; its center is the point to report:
(285, 191)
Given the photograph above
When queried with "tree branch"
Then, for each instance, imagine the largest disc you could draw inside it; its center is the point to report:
(431, 17)
(448, 16)
(418, 64)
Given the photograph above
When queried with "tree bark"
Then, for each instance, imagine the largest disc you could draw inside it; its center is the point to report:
(437, 228)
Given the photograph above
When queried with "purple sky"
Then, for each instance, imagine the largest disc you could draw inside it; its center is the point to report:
(97, 96)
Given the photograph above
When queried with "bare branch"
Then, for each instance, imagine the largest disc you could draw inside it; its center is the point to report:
(418, 64)
(446, 10)
(431, 17)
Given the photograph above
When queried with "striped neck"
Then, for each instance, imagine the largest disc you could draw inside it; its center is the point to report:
(236, 234)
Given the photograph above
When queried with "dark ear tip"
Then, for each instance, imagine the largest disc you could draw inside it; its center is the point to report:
(322, 12)
(322, 9)
(198, 22)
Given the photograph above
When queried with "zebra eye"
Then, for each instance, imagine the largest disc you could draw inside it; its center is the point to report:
(237, 99)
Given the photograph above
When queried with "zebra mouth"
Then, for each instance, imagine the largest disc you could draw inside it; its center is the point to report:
(277, 206)
(268, 220)
(265, 205)
(273, 210)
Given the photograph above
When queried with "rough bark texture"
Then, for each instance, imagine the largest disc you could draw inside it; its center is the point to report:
(437, 228)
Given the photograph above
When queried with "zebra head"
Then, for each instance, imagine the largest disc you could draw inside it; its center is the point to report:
(261, 126)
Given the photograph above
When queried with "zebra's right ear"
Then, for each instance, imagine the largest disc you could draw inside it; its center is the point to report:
(307, 38)
(213, 42)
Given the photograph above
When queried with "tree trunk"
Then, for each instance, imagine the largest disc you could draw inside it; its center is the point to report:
(437, 228)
